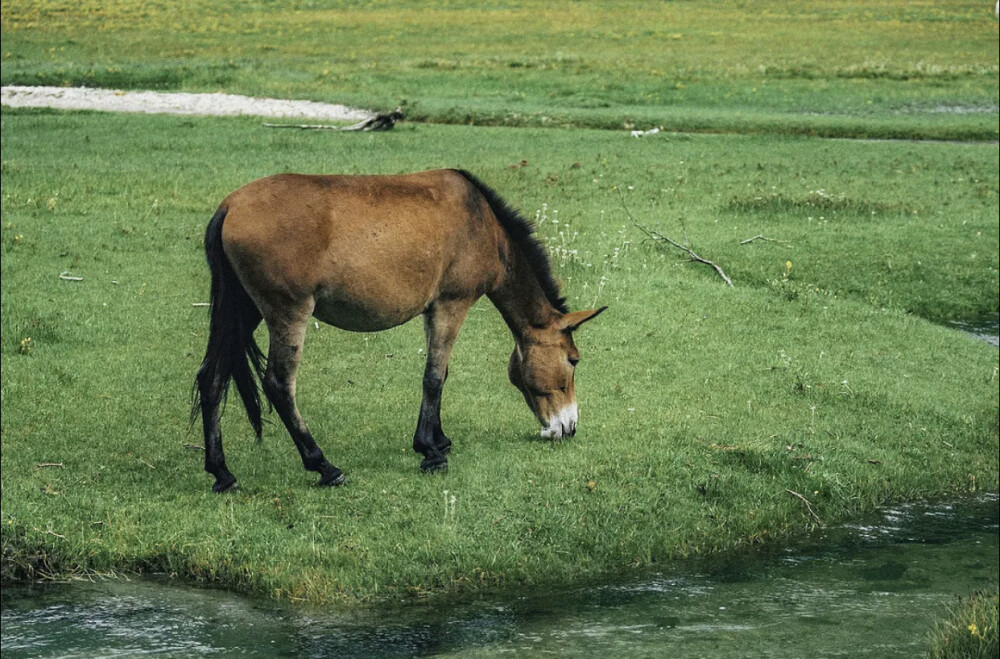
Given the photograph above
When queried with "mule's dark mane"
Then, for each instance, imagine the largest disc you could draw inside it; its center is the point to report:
(522, 232)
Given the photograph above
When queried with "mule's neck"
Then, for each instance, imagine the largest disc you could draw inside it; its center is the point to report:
(520, 298)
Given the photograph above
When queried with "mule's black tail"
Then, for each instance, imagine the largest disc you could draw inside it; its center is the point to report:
(232, 353)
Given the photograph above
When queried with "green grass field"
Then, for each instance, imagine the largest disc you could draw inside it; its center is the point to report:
(836, 68)
(824, 383)
(703, 407)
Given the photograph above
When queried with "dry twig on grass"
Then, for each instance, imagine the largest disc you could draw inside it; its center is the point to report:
(658, 237)
(381, 121)
(764, 239)
(808, 505)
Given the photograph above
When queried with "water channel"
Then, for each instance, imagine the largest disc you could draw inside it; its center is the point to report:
(870, 589)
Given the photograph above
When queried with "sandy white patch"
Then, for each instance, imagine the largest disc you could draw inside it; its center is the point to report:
(110, 100)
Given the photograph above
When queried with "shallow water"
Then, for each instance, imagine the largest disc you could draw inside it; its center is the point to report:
(870, 589)
(985, 328)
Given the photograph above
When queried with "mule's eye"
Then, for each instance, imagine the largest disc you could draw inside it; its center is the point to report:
(573, 361)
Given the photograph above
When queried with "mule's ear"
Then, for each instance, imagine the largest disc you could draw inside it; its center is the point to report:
(569, 322)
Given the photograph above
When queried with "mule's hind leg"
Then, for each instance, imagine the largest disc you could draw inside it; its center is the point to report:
(212, 392)
(227, 357)
(287, 338)
(442, 321)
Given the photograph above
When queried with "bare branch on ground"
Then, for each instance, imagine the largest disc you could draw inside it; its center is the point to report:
(808, 505)
(381, 121)
(765, 239)
(658, 237)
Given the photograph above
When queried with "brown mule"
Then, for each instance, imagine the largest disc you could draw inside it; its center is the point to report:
(366, 253)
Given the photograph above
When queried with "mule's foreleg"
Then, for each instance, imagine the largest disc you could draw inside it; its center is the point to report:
(279, 385)
(441, 324)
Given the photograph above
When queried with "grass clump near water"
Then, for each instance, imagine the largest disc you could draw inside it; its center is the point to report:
(712, 418)
(887, 69)
(972, 629)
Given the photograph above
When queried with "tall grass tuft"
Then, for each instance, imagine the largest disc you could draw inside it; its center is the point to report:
(971, 628)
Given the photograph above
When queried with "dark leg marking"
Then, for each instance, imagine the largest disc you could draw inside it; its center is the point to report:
(279, 385)
(441, 324)
(211, 392)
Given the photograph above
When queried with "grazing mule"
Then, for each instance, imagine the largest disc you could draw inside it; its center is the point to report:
(366, 253)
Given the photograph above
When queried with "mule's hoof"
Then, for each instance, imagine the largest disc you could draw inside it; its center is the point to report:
(435, 463)
(225, 484)
(442, 444)
(332, 479)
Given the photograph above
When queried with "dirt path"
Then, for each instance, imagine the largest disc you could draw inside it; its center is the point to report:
(109, 100)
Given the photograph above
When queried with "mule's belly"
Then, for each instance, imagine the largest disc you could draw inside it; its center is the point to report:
(359, 316)
(370, 285)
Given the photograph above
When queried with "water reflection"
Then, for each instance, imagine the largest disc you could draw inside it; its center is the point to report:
(868, 589)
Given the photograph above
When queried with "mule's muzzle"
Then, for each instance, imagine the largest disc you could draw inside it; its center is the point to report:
(558, 432)
(561, 424)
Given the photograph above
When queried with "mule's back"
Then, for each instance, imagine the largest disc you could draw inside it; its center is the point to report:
(370, 251)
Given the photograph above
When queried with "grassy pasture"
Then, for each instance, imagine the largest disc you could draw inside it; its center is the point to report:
(705, 410)
(836, 68)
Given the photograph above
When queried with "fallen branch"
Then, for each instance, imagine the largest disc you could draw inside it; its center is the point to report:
(656, 236)
(68, 277)
(308, 126)
(42, 465)
(194, 447)
(763, 238)
(201, 304)
(808, 505)
(381, 121)
(53, 533)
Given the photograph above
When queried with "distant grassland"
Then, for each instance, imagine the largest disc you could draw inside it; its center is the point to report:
(706, 411)
(833, 68)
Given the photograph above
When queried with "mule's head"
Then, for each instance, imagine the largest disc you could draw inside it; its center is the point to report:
(542, 367)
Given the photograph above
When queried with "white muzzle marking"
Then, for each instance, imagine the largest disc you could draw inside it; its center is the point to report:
(562, 424)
